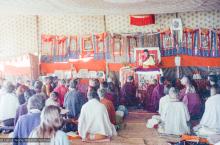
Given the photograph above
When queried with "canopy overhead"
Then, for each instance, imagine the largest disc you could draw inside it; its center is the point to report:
(104, 7)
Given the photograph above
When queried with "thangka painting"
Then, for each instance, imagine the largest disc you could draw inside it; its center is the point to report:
(154, 52)
(61, 48)
(187, 43)
(166, 42)
(47, 47)
(204, 42)
(117, 44)
(132, 43)
(99, 52)
(87, 46)
(74, 51)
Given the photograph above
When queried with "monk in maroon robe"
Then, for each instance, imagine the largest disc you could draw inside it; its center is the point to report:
(148, 98)
(128, 92)
(190, 98)
(157, 93)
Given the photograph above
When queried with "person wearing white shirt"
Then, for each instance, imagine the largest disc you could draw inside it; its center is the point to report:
(210, 122)
(94, 122)
(175, 117)
(8, 105)
(164, 101)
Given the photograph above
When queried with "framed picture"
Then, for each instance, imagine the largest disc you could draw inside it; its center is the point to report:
(87, 44)
(154, 52)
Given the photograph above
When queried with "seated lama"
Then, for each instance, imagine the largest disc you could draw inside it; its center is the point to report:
(210, 122)
(176, 116)
(128, 92)
(94, 122)
(157, 93)
(190, 97)
(108, 104)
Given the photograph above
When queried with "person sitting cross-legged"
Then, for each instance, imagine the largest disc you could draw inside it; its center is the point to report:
(49, 128)
(26, 123)
(210, 122)
(175, 118)
(94, 122)
(108, 104)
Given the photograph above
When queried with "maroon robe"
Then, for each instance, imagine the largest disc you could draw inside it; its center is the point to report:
(128, 94)
(154, 99)
(193, 102)
(147, 99)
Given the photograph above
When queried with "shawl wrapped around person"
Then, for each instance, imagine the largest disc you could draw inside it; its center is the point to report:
(211, 116)
(192, 100)
(157, 93)
(176, 116)
(94, 119)
(148, 98)
(128, 92)
(110, 108)
(61, 91)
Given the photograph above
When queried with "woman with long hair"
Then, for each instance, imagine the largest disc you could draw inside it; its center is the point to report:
(49, 128)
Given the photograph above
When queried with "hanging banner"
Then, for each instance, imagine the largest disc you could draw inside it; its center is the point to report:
(74, 50)
(132, 43)
(187, 44)
(196, 42)
(214, 50)
(218, 42)
(205, 42)
(61, 48)
(47, 47)
(99, 49)
(167, 43)
(142, 20)
(87, 47)
(117, 45)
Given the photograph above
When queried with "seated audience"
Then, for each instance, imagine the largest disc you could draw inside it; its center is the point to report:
(210, 122)
(50, 124)
(108, 95)
(176, 116)
(164, 101)
(22, 109)
(147, 100)
(20, 94)
(73, 101)
(108, 104)
(128, 92)
(157, 93)
(190, 98)
(47, 86)
(28, 122)
(95, 125)
(8, 105)
(61, 91)
(53, 100)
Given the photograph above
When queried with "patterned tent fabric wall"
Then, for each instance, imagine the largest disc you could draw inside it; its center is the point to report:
(19, 33)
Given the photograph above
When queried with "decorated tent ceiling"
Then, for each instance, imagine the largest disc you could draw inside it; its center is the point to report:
(104, 7)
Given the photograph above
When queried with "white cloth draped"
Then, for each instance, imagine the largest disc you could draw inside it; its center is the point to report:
(175, 119)
(211, 116)
(164, 101)
(8, 106)
(94, 119)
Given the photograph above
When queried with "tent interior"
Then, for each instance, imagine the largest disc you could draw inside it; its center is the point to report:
(170, 43)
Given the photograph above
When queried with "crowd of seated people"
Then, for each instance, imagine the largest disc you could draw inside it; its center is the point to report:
(39, 114)
(93, 114)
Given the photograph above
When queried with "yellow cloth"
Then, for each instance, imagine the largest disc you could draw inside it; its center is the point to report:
(149, 62)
